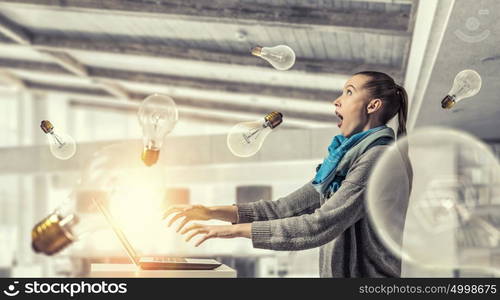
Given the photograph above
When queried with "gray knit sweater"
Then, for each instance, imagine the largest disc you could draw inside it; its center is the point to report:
(338, 225)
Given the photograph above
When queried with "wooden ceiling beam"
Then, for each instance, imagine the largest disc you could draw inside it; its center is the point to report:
(13, 31)
(325, 118)
(240, 12)
(20, 36)
(10, 79)
(176, 81)
(98, 43)
(67, 62)
(189, 115)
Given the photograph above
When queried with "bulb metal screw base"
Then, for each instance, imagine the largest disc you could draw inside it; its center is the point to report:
(274, 119)
(448, 102)
(46, 126)
(49, 237)
(257, 51)
(150, 156)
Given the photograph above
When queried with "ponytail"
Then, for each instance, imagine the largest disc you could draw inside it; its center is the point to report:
(403, 146)
(403, 111)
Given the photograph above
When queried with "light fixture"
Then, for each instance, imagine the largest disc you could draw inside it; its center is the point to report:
(467, 83)
(62, 146)
(246, 138)
(281, 57)
(158, 116)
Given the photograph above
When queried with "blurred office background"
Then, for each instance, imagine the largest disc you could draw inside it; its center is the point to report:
(85, 66)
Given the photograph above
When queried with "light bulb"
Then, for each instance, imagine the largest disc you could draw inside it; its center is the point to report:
(62, 146)
(157, 116)
(64, 226)
(281, 57)
(74, 218)
(432, 188)
(466, 84)
(246, 138)
(117, 179)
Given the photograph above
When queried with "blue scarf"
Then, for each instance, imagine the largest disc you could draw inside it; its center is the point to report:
(327, 179)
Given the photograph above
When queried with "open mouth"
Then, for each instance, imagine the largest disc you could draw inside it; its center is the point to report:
(340, 117)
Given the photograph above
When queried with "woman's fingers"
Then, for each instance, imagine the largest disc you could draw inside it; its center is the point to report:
(203, 239)
(174, 218)
(171, 210)
(184, 222)
(209, 232)
(191, 227)
(195, 233)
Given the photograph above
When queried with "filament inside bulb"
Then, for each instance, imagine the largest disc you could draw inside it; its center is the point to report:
(58, 140)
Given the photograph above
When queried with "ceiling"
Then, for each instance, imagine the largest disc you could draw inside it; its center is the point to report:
(471, 40)
(111, 54)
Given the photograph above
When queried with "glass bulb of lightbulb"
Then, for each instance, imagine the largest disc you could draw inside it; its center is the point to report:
(62, 146)
(117, 179)
(246, 138)
(281, 57)
(158, 116)
(466, 84)
(429, 189)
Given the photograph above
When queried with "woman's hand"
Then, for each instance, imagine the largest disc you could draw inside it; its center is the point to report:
(189, 212)
(201, 213)
(217, 231)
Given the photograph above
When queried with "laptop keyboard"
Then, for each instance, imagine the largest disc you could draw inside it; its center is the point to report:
(170, 259)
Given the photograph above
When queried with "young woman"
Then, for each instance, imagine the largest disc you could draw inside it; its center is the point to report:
(327, 212)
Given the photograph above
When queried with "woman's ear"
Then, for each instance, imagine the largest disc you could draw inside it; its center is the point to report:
(374, 105)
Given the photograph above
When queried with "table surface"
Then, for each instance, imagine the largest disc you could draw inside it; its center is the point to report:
(131, 270)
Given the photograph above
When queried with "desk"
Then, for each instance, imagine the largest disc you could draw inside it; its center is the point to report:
(131, 270)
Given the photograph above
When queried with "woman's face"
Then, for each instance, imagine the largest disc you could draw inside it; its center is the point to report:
(351, 106)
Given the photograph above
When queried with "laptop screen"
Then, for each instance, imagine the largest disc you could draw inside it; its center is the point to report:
(117, 230)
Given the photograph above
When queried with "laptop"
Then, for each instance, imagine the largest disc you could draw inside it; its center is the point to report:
(154, 263)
